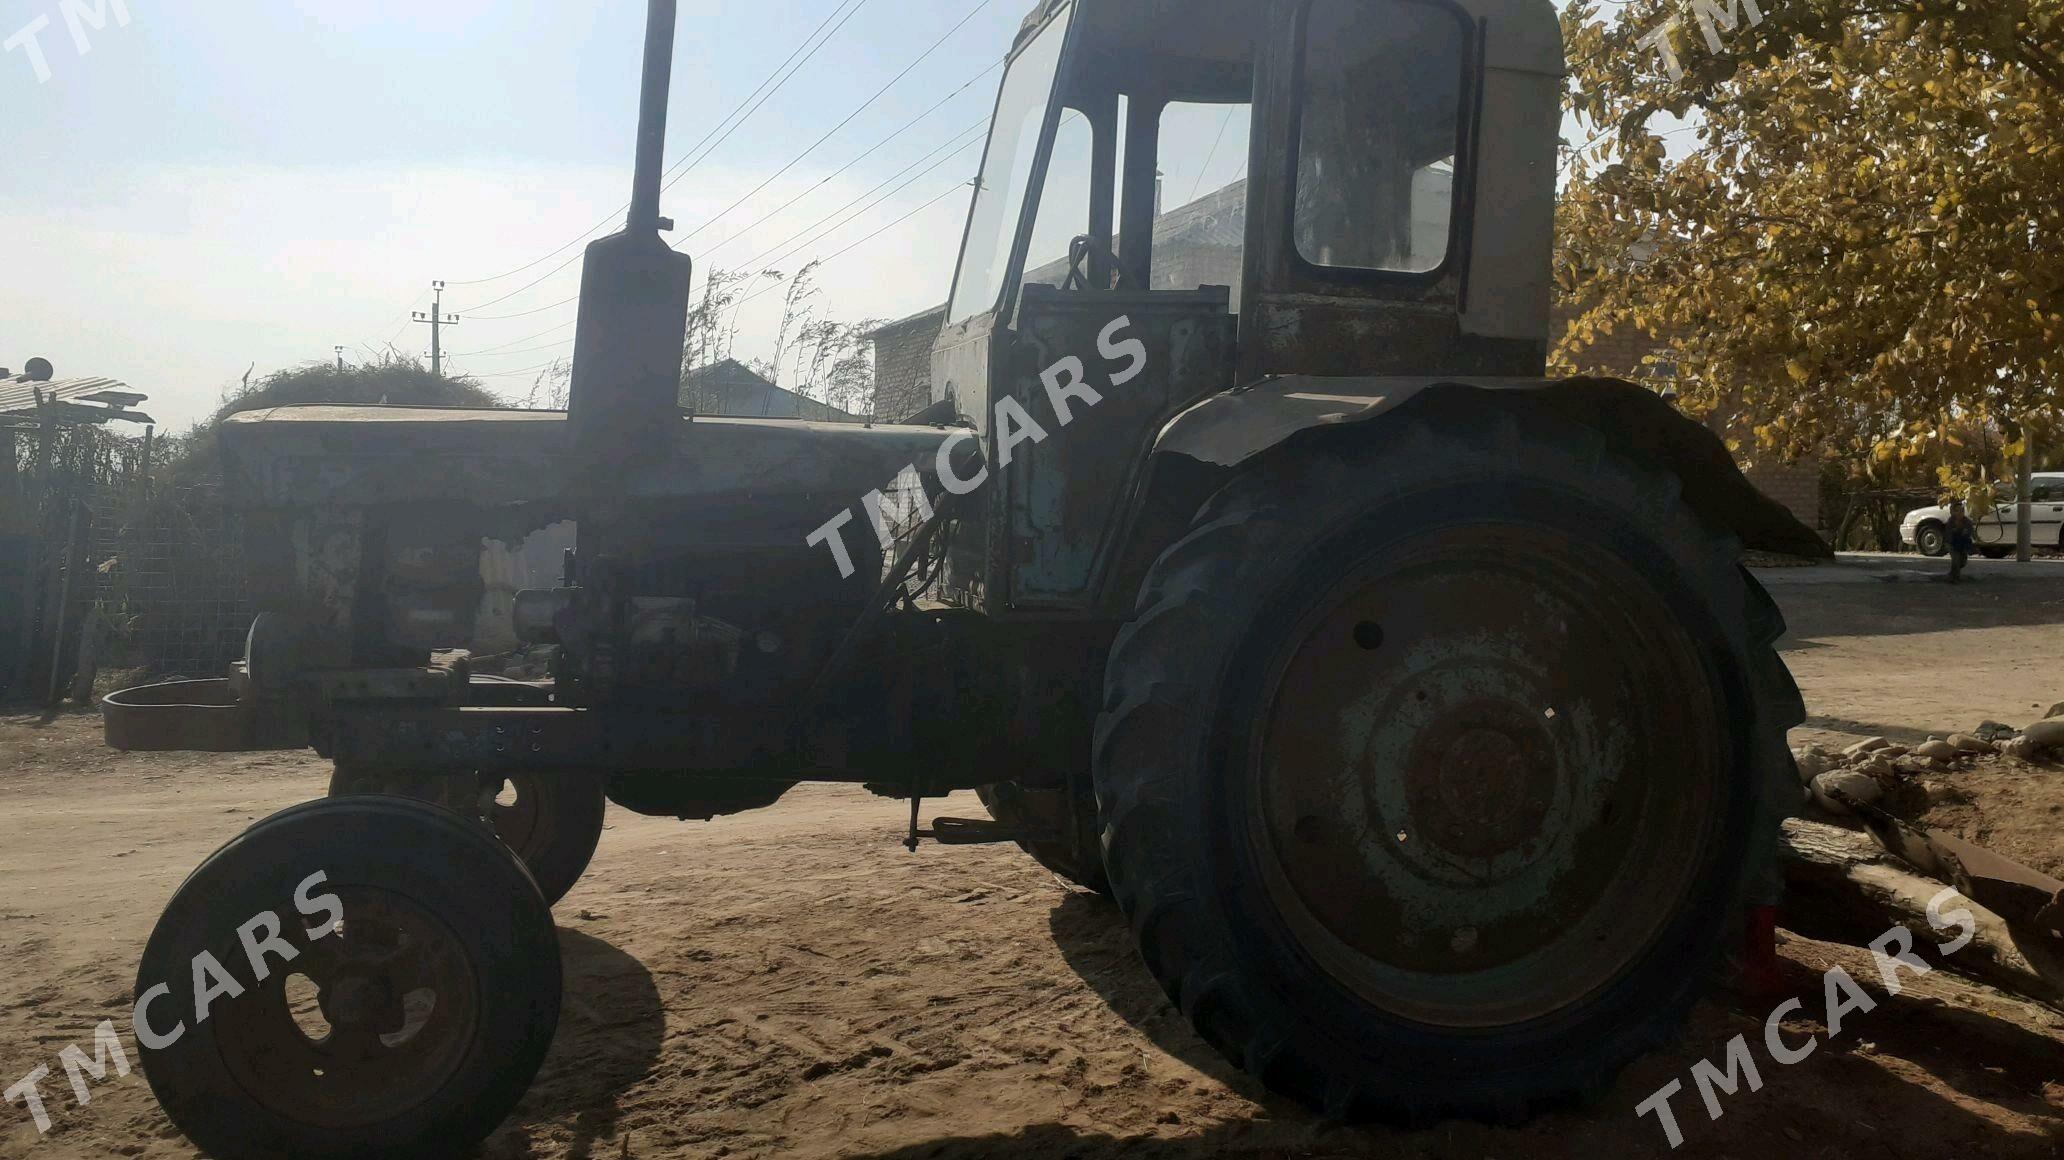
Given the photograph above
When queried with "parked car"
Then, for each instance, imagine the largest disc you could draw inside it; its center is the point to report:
(1927, 528)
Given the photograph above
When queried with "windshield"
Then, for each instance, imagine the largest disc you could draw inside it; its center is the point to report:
(1000, 195)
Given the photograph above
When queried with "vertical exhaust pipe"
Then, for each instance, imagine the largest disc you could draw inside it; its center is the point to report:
(625, 393)
(652, 116)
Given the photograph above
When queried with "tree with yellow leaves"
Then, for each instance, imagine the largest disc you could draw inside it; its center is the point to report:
(1863, 246)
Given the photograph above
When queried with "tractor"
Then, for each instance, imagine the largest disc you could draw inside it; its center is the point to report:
(1416, 710)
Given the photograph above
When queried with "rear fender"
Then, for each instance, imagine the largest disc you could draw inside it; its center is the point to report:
(1203, 445)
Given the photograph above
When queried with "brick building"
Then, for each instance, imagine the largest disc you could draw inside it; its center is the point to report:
(903, 364)
(1622, 354)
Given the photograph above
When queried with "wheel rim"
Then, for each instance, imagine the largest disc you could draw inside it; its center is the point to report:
(521, 824)
(1478, 800)
(1931, 541)
(383, 1016)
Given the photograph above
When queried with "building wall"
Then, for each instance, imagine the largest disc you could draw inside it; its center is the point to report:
(1794, 483)
(903, 365)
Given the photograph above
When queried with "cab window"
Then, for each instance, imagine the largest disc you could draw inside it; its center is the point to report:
(1021, 110)
(1380, 122)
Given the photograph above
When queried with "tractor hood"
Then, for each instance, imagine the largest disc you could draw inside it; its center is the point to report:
(359, 456)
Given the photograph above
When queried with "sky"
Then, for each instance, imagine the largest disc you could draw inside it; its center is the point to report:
(216, 187)
(231, 184)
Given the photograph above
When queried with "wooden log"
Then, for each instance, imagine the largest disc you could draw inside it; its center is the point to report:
(1842, 886)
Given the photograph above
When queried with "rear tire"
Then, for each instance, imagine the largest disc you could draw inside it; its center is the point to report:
(1297, 950)
(554, 822)
(419, 1021)
(1996, 552)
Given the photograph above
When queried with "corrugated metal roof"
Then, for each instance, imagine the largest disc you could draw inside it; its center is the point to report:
(17, 397)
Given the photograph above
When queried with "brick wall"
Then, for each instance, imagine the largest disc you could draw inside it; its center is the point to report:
(903, 365)
(1795, 484)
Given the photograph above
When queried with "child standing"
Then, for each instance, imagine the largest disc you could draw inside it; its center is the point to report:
(1961, 540)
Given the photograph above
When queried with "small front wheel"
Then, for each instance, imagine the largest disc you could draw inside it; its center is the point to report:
(367, 976)
(1931, 540)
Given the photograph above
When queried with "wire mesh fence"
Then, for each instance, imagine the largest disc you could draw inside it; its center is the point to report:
(168, 582)
(104, 571)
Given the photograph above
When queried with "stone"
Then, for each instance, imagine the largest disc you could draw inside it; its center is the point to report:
(1812, 763)
(1994, 731)
(1914, 765)
(1972, 743)
(2022, 748)
(2056, 710)
(1942, 792)
(1936, 749)
(1893, 750)
(1875, 765)
(2047, 733)
(1860, 786)
(1863, 747)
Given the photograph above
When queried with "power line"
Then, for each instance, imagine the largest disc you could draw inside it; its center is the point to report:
(955, 188)
(869, 103)
(786, 249)
(503, 349)
(1215, 143)
(875, 148)
(691, 159)
(691, 164)
(545, 366)
(907, 126)
(791, 203)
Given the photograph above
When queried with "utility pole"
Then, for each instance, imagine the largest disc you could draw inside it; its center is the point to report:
(340, 356)
(438, 320)
(2024, 519)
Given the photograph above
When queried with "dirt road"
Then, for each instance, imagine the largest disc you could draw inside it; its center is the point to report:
(792, 983)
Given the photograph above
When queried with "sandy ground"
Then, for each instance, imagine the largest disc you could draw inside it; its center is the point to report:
(792, 983)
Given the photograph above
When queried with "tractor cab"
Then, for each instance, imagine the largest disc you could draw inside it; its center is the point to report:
(1337, 188)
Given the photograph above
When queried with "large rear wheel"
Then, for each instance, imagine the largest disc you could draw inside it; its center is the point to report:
(381, 979)
(1433, 775)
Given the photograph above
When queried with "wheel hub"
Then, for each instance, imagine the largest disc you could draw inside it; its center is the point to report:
(392, 1011)
(1485, 767)
(1479, 782)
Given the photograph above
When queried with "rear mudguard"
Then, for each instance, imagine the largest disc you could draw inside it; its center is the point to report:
(1228, 430)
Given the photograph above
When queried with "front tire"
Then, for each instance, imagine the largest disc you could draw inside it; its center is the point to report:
(1434, 775)
(1931, 539)
(406, 1023)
